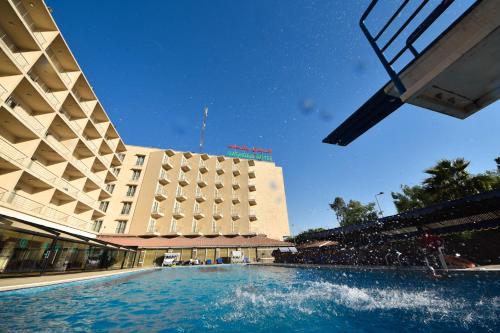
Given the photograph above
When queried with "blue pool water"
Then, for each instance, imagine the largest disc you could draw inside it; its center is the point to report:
(259, 299)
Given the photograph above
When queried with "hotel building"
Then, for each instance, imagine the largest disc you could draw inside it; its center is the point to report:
(74, 196)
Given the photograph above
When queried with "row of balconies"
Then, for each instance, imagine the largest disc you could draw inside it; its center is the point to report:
(41, 172)
(186, 166)
(21, 110)
(67, 153)
(24, 204)
(198, 213)
(68, 74)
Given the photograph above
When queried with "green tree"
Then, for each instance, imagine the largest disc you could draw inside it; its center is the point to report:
(354, 212)
(304, 236)
(447, 180)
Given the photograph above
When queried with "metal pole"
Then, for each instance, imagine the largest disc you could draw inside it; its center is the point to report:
(378, 204)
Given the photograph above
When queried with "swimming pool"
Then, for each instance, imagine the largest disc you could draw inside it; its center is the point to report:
(259, 299)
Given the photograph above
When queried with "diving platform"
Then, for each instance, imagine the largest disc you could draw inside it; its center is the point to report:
(456, 74)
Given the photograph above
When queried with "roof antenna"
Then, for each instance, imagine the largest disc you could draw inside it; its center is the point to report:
(203, 126)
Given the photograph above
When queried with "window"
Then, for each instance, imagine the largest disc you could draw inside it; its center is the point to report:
(116, 171)
(120, 227)
(214, 226)
(173, 225)
(121, 156)
(234, 227)
(104, 206)
(110, 188)
(156, 206)
(177, 206)
(152, 225)
(140, 160)
(136, 174)
(131, 190)
(194, 226)
(96, 226)
(126, 208)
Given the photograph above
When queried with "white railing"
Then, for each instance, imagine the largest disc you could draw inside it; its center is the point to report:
(29, 206)
(66, 78)
(161, 191)
(24, 112)
(18, 56)
(3, 90)
(179, 192)
(178, 210)
(17, 157)
(74, 125)
(45, 90)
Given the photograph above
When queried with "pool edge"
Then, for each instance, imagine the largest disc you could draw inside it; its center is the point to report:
(69, 280)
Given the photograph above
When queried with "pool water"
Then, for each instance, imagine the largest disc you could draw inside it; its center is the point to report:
(259, 299)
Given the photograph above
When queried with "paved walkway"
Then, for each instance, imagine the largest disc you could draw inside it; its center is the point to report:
(46, 280)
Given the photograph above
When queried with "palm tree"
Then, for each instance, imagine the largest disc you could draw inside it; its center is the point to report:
(449, 180)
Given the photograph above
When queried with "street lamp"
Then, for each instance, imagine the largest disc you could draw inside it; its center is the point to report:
(378, 204)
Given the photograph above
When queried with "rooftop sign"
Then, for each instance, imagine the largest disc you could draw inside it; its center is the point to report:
(253, 153)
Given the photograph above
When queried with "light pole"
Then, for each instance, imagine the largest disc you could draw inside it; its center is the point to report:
(378, 204)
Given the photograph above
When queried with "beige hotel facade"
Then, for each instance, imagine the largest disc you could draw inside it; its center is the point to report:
(67, 177)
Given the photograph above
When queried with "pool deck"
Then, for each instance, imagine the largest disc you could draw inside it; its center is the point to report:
(393, 268)
(15, 283)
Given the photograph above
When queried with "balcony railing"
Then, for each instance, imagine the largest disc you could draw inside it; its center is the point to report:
(203, 166)
(18, 158)
(44, 89)
(157, 211)
(185, 165)
(183, 180)
(16, 54)
(24, 112)
(178, 212)
(3, 90)
(32, 207)
(65, 77)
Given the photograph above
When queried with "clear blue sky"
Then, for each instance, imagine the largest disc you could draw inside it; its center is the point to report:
(155, 64)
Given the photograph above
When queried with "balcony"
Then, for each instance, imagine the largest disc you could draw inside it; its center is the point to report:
(236, 199)
(161, 194)
(166, 163)
(203, 166)
(200, 197)
(235, 215)
(201, 182)
(218, 198)
(236, 171)
(185, 165)
(236, 184)
(156, 212)
(251, 173)
(17, 157)
(178, 213)
(252, 216)
(251, 200)
(198, 214)
(219, 169)
(251, 187)
(183, 181)
(219, 183)
(180, 196)
(163, 179)
(218, 214)
(31, 207)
